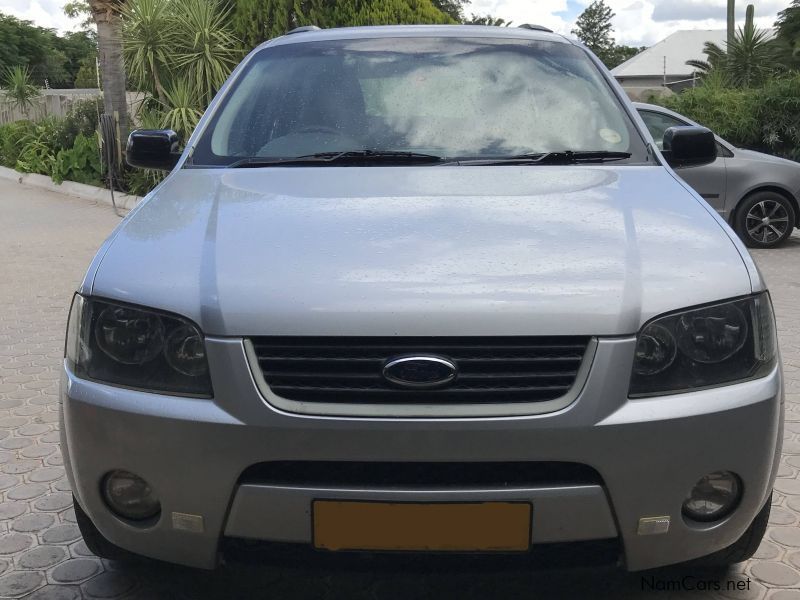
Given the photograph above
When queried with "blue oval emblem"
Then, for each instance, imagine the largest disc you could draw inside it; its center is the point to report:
(420, 371)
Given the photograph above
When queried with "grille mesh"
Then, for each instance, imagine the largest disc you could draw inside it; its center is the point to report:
(349, 369)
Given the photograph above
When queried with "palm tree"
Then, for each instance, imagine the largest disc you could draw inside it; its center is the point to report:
(106, 15)
(748, 61)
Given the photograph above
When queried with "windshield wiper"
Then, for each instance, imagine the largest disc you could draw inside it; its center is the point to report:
(346, 157)
(562, 157)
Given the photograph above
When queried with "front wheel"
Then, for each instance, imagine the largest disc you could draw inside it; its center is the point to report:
(765, 220)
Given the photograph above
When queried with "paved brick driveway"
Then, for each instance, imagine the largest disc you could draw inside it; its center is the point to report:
(46, 241)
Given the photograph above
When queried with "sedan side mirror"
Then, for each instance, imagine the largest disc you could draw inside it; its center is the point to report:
(689, 146)
(153, 149)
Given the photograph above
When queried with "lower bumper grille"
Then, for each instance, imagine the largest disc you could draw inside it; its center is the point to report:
(490, 370)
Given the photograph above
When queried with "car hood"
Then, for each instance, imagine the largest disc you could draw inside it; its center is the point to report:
(507, 250)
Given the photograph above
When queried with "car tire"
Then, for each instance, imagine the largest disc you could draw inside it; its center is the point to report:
(743, 548)
(94, 540)
(756, 233)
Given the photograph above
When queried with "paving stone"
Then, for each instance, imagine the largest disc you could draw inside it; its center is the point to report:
(59, 592)
(15, 443)
(19, 583)
(57, 501)
(51, 438)
(782, 516)
(55, 460)
(80, 549)
(69, 515)
(11, 543)
(788, 486)
(46, 474)
(33, 522)
(767, 550)
(7, 481)
(788, 536)
(38, 451)
(75, 570)
(20, 466)
(33, 429)
(62, 485)
(775, 573)
(60, 534)
(11, 510)
(26, 491)
(42, 557)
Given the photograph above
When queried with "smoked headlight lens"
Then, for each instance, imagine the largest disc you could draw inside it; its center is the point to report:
(707, 346)
(136, 347)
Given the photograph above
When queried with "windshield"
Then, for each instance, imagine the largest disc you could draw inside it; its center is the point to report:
(446, 97)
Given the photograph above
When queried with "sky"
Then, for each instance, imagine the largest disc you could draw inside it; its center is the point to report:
(637, 22)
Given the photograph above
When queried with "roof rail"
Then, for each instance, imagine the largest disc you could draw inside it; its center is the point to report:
(302, 29)
(535, 27)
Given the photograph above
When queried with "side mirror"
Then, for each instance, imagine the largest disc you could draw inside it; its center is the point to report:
(153, 149)
(689, 146)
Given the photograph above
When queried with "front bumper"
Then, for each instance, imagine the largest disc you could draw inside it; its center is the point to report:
(648, 454)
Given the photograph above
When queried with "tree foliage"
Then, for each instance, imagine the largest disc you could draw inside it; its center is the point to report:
(255, 21)
(593, 27)
(48, 56)
(788, 33)
(452, 8)
(487, 20)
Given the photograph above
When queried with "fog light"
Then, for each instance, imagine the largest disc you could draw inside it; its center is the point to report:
(713, 497)
(130, 496)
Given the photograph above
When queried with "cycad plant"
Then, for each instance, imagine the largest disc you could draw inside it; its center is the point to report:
(18, 89)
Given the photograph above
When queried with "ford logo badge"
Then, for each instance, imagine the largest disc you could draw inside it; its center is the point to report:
(420, 371)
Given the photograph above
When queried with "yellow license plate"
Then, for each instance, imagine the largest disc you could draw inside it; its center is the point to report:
(456, 527)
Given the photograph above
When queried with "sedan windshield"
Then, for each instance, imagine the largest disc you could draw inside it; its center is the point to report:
(403, 100)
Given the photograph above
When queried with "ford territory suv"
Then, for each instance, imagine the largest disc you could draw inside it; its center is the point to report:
(424, 290)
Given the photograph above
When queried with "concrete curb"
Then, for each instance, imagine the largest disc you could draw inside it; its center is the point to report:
(71, 188)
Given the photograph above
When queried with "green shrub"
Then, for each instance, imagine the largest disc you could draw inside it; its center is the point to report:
(12, 138)
(766, 118)
(82, 118)
(778, 111)
(80, 163)
(730, 113)
(38, 147)
(139, 182)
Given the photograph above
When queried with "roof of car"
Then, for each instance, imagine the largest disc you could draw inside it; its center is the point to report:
(388, 31)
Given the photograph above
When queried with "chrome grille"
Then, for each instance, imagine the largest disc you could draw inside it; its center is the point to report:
(349, 369)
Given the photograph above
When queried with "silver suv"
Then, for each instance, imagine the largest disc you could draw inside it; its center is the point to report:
(422, 289)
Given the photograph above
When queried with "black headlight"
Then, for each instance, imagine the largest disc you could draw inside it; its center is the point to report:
(136, 347)
(705, 346)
